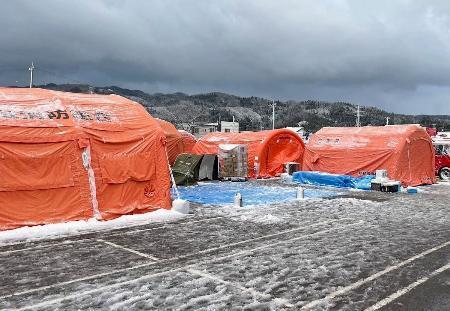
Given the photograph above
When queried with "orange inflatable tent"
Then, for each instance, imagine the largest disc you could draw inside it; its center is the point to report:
(66, 156)
(178, 142)
(267, 150)
(405, 151)
(174, 140)
(189, 141)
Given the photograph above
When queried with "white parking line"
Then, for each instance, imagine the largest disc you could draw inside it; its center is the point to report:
(128, 250)
(87, 278)
(357, 284)
(212, 249)
(407, 289)
(249, 251)
(252, 250)
(95, 290)
(110, 233)
(165, 226)
(222, 281)
(250, 290)
(228, 283)
(208, 250)
(41, 246)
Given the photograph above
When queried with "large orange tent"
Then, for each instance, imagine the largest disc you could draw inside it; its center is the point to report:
(66, 156)
(267, 150)
(174, 140)
(178, 142)
(189, 141)
(405, 151)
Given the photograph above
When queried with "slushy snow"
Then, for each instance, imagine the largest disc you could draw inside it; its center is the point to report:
(84, 226)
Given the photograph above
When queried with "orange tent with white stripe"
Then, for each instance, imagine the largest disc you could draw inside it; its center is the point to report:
(66, 156)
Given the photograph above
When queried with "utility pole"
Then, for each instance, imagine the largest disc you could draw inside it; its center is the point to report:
(273, 114)
(219, 124)
(31, 74)
(358, 117)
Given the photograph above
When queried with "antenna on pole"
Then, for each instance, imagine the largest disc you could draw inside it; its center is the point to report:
(358, 117)
(31, 74)
(273, 114)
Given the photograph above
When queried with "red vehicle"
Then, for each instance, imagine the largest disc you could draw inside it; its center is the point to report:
(441, 144)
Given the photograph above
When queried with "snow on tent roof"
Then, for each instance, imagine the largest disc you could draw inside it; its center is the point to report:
(267, 150)
(405, 151)
(46, 108)
(66, 156)
(189, 141)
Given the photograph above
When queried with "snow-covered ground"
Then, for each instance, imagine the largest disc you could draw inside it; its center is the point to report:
(34, 233)
(347, 252)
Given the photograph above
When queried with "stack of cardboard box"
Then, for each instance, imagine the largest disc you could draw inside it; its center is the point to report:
(233, 162)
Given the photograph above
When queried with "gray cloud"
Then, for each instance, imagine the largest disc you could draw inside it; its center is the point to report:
(390, 54)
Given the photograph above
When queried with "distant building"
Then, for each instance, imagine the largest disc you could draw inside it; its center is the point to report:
(300, 130)
(229, 127)
(199, 130)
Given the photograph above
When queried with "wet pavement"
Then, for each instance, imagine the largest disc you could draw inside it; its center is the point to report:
(356, 251)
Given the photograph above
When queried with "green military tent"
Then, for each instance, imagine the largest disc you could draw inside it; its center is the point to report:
(189, 168)
(186, 168)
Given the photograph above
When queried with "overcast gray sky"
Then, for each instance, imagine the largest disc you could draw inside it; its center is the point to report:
(390, 54)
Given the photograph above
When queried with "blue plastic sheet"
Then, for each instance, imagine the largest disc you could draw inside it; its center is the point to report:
(222, 193)
(333, 180)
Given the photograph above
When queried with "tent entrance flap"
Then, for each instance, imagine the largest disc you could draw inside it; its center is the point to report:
(208, 168)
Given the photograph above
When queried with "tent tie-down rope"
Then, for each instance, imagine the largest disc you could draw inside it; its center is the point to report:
(174, 185)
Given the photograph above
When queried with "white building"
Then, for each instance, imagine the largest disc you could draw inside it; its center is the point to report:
(229, 127)
(200, 130)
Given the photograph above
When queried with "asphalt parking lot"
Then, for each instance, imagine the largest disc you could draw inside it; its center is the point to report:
(358, 251)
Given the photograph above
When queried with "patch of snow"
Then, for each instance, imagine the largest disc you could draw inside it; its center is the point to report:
(265, 219)
(84, 226)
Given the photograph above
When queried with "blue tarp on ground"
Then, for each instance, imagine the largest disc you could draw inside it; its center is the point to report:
(333, 180)
(222, 193)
